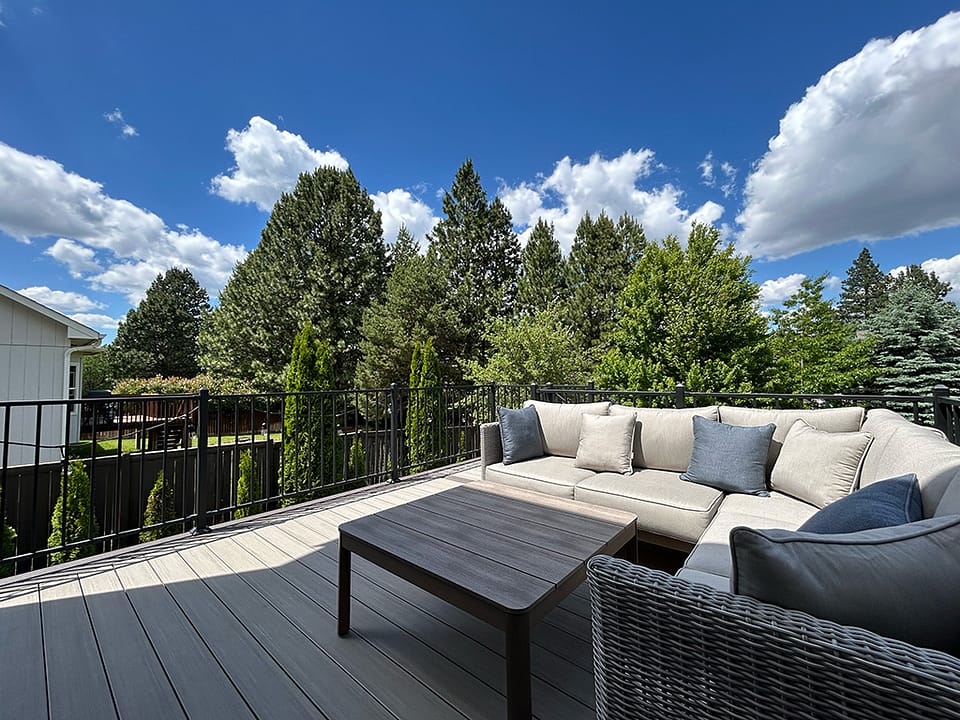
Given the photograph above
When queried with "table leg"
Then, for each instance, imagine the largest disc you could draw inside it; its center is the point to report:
(343, 593)
(519, 704)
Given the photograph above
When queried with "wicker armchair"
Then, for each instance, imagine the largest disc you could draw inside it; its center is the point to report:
(667, 648)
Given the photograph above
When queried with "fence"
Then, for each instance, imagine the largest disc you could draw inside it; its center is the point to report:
(300, 446)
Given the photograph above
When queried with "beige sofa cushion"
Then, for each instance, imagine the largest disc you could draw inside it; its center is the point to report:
(900, 447)
(663, 439)
(844, 419)
(606, 443)
(551, 475)
(560, 424)
(819, 467)
(663, 503)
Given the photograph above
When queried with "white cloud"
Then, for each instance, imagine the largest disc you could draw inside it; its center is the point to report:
(869, 152)
(115, 117)
(62, 300)
(268, 162)
(97, 321)
(947, 269)
(706, 170)
(573, 189)
(774, 292)
(126, 246)
(729, 186)
(78, 258)
(399, 207)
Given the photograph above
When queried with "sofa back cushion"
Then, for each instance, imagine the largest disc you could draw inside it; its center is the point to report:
(901, 447)
(663, 439)
(560, 424)
(843, 419)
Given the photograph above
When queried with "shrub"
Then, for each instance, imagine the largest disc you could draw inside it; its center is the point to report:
(73, 519)
(248, 487)
(8, 547)
(160, 508)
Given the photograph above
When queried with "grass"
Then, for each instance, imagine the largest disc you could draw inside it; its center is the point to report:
(83, 449)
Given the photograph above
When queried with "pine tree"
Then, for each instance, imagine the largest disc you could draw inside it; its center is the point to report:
(864, 291)
(917, 341)
(248, 487)
(918, 276)
(542, 281)
(814, 350)
(160, 507)
(8, 548)
(426, 412)
(321, 258)
(73, 519)
(159, 336)
(689, 315)
(600, 261)
(480, 256)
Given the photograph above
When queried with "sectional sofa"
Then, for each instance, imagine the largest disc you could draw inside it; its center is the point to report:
(708, 642)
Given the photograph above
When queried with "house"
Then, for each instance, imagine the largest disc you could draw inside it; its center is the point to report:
(40, 359)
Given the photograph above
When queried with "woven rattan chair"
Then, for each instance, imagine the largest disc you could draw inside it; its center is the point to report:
(667, 648)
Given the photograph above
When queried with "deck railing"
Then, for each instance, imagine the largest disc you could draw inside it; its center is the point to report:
(222, 456)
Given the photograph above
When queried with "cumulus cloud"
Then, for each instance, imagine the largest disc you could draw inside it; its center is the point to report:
(62, 300)
(398, 207)
(97, 321)
(124, 247)
(774, 292)
(868, 153)
(611, 186)
(115, 117)
(268, 162)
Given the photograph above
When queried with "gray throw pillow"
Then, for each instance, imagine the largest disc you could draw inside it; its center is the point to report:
(900, 582)
(520, 434)
(895, 501)
(729, 458)
(606, 443)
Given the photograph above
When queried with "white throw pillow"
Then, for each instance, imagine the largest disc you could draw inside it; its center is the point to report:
(606, 443)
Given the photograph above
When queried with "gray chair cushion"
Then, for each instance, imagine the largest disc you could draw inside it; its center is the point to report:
(895, 501)
(606, 444)
(729, 458)
(519, 434)
(663, 439)
(560, 424)
(819, 467)
(551, 475)
(900, 582)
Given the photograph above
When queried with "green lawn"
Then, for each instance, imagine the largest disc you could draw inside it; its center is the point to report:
(82, 449)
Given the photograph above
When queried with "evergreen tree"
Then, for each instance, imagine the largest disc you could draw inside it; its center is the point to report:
(480, 256)
(248, 487)
(917, 338)
(689, 315)
(601, 258)
(312, 446)
(8, 548)
(160, 507)
(916, 275)
(864, 291)
(321, 258)
(73, 519)
(542, 280)
(415, 306)
(814, 350)
(534, 349)
(358, 458)
(425, 412)
(159, 336)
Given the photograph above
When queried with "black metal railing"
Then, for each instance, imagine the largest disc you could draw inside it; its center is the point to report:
(210, 458)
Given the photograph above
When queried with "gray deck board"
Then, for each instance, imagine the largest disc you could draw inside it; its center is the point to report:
(241, 623)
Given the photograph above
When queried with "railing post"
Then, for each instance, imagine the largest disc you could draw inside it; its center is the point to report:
(941, 415)
(547, 394)
(394, 436)
(201, 486)
(534, 391)
(680, 397)
(492, 402)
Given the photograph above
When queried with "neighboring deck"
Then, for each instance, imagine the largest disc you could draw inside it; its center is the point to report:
(241, 623)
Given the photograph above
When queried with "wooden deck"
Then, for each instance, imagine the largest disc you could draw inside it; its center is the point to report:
(241, 623)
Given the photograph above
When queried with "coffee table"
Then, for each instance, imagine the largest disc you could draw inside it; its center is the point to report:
(503, 555)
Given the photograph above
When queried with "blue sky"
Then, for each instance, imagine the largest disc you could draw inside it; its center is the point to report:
(136, 136)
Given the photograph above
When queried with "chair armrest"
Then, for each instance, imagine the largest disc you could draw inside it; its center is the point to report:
(491, 446)
(668, 648)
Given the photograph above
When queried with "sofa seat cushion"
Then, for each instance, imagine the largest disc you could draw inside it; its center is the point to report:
(663, 439)
(900, 447)
(842, 419)
(779, 511)
(560, 424)
(663, 503)
(551, 475)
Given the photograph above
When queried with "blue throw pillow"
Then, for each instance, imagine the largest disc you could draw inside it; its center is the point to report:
(520, 434)
(729, 457)
(881, 504)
